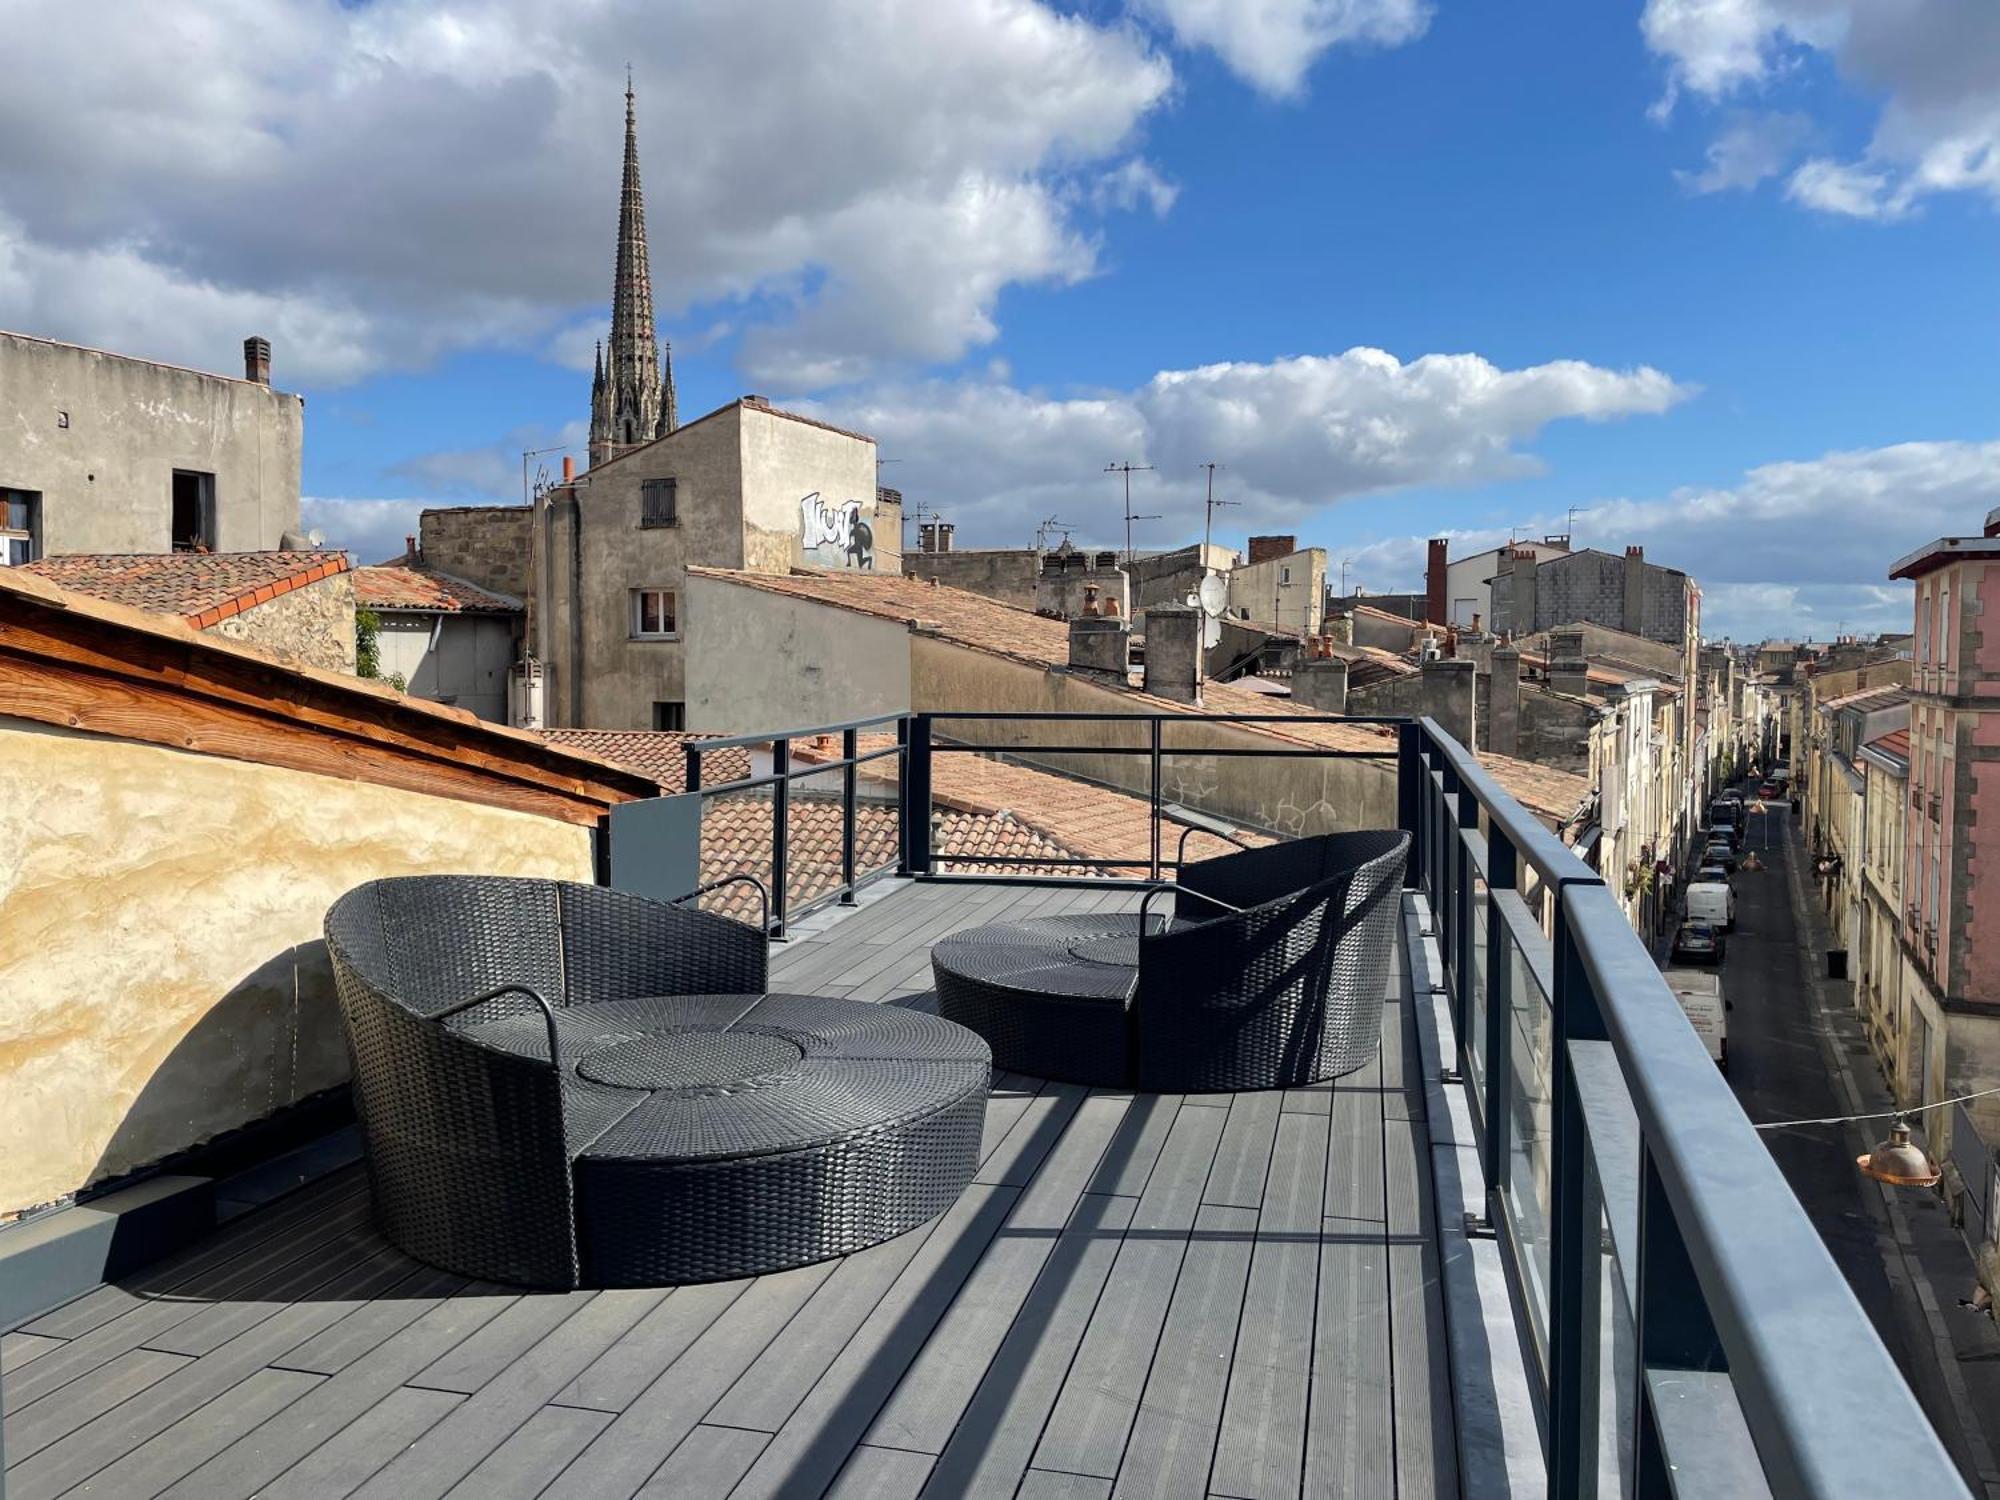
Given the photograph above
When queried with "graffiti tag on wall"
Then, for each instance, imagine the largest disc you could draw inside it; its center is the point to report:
(837, 528)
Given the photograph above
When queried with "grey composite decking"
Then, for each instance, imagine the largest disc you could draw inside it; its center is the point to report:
(1139, 1295)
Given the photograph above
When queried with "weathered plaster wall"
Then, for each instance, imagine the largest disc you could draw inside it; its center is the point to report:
(1288, 591)
(758, 661)
(464, 661)
(314, 624)
(809, 498)
(162, 978)
(1009, 575)
(106, 478)
(483, 544)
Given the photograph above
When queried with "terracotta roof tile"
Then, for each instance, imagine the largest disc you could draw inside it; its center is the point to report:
(390, 586)
(660, 754)
(200, 587)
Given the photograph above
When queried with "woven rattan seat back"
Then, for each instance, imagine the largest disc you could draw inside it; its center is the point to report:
(1285, 992)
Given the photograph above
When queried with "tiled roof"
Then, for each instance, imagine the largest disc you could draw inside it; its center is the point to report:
(203, 588)
(982, 624)
(660, 754)
(1867, 700)
(391, 586)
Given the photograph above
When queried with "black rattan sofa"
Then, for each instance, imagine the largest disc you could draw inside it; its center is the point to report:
(562, 1085)
(1270, 973)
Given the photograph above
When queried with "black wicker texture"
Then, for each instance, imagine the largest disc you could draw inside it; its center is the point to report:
(1286, 992)
(683, 1137)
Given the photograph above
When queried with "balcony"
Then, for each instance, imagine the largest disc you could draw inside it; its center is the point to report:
(1534, 1247)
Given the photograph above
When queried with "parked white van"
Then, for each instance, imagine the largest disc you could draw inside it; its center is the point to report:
(1713, 902)
(1700, 994)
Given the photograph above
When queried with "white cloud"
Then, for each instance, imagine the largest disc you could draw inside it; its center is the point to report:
(1794, 548)
(1294, 434)
(1934, 64)
(1131, 183)
(1751, 149)
(492, 472)
(368, 531)
(377, 186)
(1272, 44)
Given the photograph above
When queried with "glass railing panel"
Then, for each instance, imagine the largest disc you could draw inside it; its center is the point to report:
(1617, 1371)
(1525, 1169)
(1474, 1039)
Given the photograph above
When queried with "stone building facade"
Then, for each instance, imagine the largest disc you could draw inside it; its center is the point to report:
(486, 545)
(106, 454)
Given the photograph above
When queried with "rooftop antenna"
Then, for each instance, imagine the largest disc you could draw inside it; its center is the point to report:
(1208, 515)
(1128, 470)
(1343, 575)
(1574, 512)
(1047, 529)
(917, 514)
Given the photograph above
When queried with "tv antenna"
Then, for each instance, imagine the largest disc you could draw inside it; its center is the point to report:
(1208, 513)
(917, 514)
(1049, 528)
(1128, 470)
(1343, 575)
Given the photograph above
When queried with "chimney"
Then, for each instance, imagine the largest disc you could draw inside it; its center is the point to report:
(1340, 629)
(1321, 683)
(1450, 695)
(1264, 548)
(944, 534)
(1993, 522)
(569, 469)
(1635, 590)
(257, 360)
(412, 554)
(1173, 652)
(1434, 582)
(1503, 704)
(1100, 644)
(1568, 675)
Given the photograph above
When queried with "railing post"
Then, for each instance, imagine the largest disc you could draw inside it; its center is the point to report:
(1502, 874)
(916, 813)
(692, 776)
(1674, 1329)
(850, 744)
(1409, 769)
(1155, 780)
(1468, 819)
(1575, 1230)
(781, 806)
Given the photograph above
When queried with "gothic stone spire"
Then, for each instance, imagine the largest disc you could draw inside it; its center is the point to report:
(631, 404)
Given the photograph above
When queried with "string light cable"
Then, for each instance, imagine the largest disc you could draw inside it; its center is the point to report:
(1887, 1114)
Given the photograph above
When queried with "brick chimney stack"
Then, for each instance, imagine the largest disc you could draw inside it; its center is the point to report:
(257, 360)
(1434, 580)
(569, 469)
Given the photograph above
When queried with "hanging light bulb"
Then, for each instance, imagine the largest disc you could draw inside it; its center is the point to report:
(1898, 1160)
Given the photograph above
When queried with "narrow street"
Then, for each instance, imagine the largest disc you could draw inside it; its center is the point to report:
(1797, 1050)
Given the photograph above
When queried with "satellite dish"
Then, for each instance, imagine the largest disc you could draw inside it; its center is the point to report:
(1213, 596)
(1211, 633)
(317, 537)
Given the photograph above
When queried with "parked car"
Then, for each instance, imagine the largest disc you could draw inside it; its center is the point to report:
(1715, 874)
(1699, 942)
(1712, 902)
(1720, 852)
(1702, 1002)
(1768, 790)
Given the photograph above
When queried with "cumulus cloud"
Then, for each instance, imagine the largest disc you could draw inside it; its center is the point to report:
(1794, 548)
(378, 186)
(1935, 64)
(1750, 150)
(368, 531)
(1272, 44)
(1294, 434)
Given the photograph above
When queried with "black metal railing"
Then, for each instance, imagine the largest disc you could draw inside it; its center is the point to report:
(1687, 1331)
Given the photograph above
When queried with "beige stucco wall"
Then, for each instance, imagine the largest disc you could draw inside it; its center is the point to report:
(786, 461)
(1288, 591)
(313, 624)
(1290, 796)
(161, 974)
(758, 661)
(106, 478)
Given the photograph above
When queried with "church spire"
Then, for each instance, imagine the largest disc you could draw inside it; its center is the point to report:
(631, 404)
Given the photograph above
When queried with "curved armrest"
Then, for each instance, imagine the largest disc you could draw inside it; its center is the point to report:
(1165, 886)
(763, 896)
(548, 1011)
(1180, 849)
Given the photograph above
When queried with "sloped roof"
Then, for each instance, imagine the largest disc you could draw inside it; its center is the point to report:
(393, 586)
(658, 753)
(1868, 700)
(203, 588)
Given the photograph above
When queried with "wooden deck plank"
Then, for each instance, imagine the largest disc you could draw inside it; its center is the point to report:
(641, 1437)
(1349, 1448)
(1020, 1153)
(173, 1454)
(709, 1461)
(1180, 1413)
(881, 1474)
(48, 1421)
(355, 1454)
(1426, 1453)
(1244, 1157)
(538, 1450)
(988, 1455)
(622, 1373)
(941, 1381)
(18, 1349)
(366, 1327)
(1261, 1450)
(809, 1449)
(1047, 1484)
(492, 1349)
(1093, 1416)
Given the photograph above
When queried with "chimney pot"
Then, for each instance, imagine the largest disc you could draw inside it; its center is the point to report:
(411, 550)
(257, 360)
(569, 469)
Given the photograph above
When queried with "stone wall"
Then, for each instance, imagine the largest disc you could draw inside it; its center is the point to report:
(1006, 574)
(484, 544)
(313, 624)
(162, 977)
(1592, 586)
(99, 436)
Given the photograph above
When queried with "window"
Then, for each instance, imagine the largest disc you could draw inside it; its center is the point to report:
(20, 527)
(653, 614)
(194, 511)
(659, 502)
(670, 716)
(1284, 575)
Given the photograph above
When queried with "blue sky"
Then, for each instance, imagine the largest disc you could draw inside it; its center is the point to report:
(1717, 273)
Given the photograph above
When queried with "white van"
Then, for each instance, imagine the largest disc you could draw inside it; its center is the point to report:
(1713, 902)
(1700, 994)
